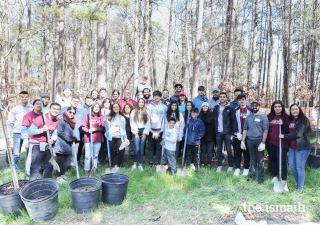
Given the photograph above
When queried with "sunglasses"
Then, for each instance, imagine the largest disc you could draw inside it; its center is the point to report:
(72, 112)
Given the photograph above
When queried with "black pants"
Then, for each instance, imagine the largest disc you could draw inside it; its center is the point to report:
(193, 155)
(238, 153)
(63, 162)
(155, 147)
(206, 152)
(103, 152)
(256, 159)
(115, 144)
(39, 157)
(273, 166)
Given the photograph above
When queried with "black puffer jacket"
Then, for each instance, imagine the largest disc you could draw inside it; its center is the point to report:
(301, 135)
(208, 120)
(227, 117)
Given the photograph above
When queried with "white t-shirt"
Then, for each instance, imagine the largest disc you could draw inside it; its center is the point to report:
(220, 118)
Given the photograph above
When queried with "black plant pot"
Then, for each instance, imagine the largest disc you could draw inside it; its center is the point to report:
(3, 159)
(114, 188)
(84, 201)
(314, 160)
(41, 199)
(11, 203)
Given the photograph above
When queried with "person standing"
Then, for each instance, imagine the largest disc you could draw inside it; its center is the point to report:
(182, 102)
(241, 112)
(255, 130)
(299, 144)
(157, 112)
(126, 114)
(63, 145)
(102, 96)
(39, 150)
(201, 98)
(116, 129)
(175, 96)
(87, 104)
(45, 100)
(97, 130)
(170, 138)
(127, 99)
(147, 96)
(165, 97)
(215, 98)
(277, 117)
(106, 107)
(115, 95)
(65, 100)
(14, 126)
(223, 117)
(234, 103)
(94, 95)
(207, 141)
(196, 131)
(138, 91)
(140, 128)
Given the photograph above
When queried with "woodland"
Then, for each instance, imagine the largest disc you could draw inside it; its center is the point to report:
(268, 48)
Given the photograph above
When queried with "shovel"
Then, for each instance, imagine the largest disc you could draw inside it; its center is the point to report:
(183, 171)
(110, 169)
(75, 159)
(161, 168)
(52, 160)
(279, 184)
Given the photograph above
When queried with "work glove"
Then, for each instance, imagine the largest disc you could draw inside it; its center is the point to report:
(243, 145)
(179, 138)
(261, 147)
(239, 136)
(155, 136)
(25, 143)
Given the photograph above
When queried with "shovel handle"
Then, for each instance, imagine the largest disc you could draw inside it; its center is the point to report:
(280, 154)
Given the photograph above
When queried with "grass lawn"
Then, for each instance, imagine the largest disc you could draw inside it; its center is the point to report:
(205, 197)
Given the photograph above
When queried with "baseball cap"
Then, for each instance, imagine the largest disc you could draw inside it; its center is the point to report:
(67, 87)
(255, 101)
(215, 89)
(182, 93)
(45, 95)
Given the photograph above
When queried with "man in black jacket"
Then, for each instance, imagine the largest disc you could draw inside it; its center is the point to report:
(223, 116)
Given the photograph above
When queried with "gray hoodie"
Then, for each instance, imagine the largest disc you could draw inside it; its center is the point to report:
(157, 114)
(256, 126)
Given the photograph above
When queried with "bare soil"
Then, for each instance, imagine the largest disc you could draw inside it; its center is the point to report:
(9, 188)
(85, 188)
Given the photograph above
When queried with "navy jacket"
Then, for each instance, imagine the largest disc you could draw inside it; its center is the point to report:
(196, 131)
(65, 138)
(78, 117)
(227, 118)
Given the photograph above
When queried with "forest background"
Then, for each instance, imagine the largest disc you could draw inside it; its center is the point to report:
(268, 48)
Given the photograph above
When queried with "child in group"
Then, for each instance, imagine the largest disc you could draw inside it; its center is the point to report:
(196, 130)
(170, 139)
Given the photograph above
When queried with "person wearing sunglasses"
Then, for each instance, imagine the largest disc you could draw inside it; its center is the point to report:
(63, 146)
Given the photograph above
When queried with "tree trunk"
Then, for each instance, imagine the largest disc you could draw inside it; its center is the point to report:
(26, 69)
(268, 91)
(136, 44)
(146, 36)
(197, 50)
(101, 53)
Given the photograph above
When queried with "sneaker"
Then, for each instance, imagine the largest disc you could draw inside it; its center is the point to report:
(274, 179)
(86, 174)
(237, 172)
(202, 166)
(209, 166)
(140, 167)
(60, 180)
(286, 187)
(151, 165)
(218, 170)
(192, 166)
(134, 166)
(260, 181)
(64, 177)
(230, 169)
(245, 172)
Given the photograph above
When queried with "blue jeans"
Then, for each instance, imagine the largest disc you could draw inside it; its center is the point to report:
(139, 146)
(297, 162)
(169, 157)
(220, 137)
(96, 148)
(17, 142)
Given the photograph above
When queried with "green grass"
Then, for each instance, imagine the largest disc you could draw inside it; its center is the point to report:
(204, 197)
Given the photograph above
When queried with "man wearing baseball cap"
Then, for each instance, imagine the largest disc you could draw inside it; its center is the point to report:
(66, 99)
(141, 86)
(175, 96)
(45, 100)
(255, 130)
(215, 98)
(201, 98)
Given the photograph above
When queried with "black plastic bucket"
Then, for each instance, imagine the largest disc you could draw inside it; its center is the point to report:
(87, 198)
(11, 203)
(40, 198)
(114, 188)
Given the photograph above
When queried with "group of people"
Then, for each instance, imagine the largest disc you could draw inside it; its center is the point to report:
(208, 126)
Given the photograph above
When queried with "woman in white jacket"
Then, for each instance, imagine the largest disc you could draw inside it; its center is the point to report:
(140, 128)
(173, 112)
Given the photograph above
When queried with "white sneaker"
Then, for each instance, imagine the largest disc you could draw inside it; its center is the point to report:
(245, 172)
(286, 187)
(218, 169)
(230, 169)
(237, 172)
(274, 179)
(60, 180)
(140, 167)
(134, 166)
(192, 166)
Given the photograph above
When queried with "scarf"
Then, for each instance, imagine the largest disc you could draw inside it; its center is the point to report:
(71, 122)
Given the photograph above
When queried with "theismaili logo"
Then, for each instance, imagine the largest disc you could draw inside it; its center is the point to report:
(288, 208)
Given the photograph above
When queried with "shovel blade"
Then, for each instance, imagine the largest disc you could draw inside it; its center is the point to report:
(55, 164)
(161, 169)
(181, 172)
(115, 170)
(109, 170)
(278, 187)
